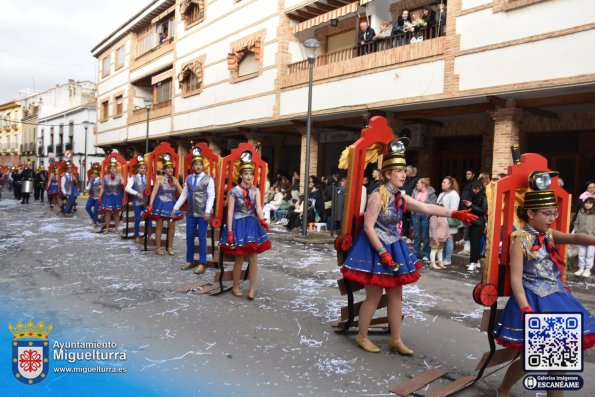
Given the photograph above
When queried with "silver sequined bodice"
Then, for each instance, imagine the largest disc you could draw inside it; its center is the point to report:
(112, 187)
(166, 192)
(386, 224)
(540, 273)
(240, 209)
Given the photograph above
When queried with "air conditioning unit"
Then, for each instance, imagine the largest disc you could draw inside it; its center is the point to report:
(417, 135)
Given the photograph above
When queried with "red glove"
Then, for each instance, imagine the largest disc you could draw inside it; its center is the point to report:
(386, 259)
(230, 238)
(264, 224)
(150, 208)
(99, 200)
(464, 216)
(526, 309)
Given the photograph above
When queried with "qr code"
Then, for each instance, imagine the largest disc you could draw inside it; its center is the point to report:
(553, 342)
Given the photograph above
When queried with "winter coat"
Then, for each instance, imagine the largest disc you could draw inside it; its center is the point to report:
(450, 200)
(439, 230)
(585, 223)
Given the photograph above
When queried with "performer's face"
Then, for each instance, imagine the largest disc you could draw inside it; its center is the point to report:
(142, 169)
(112, 170)
(542, 219)
(198, 167)
(247, 177)
(169, 170)
(396, 177)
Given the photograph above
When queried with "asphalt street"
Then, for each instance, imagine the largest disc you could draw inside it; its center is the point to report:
(99, 287)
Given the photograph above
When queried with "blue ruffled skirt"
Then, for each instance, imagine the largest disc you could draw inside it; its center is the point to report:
(362, 264)
(53, 189)
(111, 203)
(509, 330)
(163, 209)
(249, 237)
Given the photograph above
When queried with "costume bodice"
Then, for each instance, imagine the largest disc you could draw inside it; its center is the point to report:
(241, 208)
(112, 187)
(167, 192)
(388, 219)
(540, 273)
(139, 185)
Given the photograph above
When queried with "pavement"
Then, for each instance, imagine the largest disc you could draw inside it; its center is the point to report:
(95, 287)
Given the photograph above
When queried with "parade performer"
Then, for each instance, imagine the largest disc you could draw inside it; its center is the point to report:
(17, 182)
(199, 190)
(26, 176)
(111, 196)
(136, 186)
(53, 188)
(69, 186)
(244, 235)
(39, 183)
(535, 271)
(94, 189)
(379, 258)
(161, 204)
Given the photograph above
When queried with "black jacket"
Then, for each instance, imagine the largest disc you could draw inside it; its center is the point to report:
(410, 184)
(367, 36)
(479, 207)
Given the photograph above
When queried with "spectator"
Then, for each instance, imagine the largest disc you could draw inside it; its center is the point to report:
(366, 36)
(294, 213)
(424, 193)
(449, 198)
(466, 195)
(585, 223)
(317, 203)
(478, 206)
(409, 185)
(418, 21)
(295, 184)
(441, 18)
(590, 192)
(274, 204)
(384, 31)
(429, 15)
(402, 21)
(374, 182)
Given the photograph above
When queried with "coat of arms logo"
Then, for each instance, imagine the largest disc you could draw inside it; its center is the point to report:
(30, 351)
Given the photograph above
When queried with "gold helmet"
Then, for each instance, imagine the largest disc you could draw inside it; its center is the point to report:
(394, 159)
(196, 155)
(246, 163)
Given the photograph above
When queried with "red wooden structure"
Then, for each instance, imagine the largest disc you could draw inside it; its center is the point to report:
(210, 161)
(91, 168)
(155, 163)
(374, 138)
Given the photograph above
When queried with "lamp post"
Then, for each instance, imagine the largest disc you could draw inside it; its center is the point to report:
(148, 104)
(311, 46)
(86, 127)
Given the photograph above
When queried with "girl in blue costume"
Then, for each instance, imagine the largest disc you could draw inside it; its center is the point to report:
(161, 205)
(245, 234)
(111, 196)
(53, 189)
(535, 270)
(379, 258)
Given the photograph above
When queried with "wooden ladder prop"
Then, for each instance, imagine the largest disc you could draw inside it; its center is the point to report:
(502, 201)
(376, 133)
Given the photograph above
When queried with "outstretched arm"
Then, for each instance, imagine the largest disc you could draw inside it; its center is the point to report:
(577, 239)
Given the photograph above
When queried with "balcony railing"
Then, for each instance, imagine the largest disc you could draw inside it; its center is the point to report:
(400, 40)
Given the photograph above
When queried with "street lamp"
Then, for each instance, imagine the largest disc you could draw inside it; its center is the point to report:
(312, 46)
(148, 104)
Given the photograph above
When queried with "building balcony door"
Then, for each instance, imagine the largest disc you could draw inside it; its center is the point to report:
(453, 156)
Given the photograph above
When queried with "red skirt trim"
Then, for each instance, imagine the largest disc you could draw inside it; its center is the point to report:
(588, 342)
(381, 280)
(156, 217)
(110, 211)
(247, 249)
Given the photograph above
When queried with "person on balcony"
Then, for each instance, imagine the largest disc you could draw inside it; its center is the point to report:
(399, 27)
(441, 18)
(365, 39)
(384, 32)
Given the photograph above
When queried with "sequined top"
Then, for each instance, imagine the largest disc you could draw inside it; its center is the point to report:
(388, 219)
(95, 187)
(540, 273)
(240, 208)
(166, 191)
(112, 187)
(139, 184)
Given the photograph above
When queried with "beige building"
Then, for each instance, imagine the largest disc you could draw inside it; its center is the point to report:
(10, 133)
(489, 74)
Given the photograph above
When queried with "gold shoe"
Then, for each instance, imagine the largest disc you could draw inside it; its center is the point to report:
(237, 292)
(399, 347)
(441, 265)
(200, 269)
(105, 231)
(137, 239)
(170, 251)
(188, 266)
(117, 233)
(367, 345)
(251, 295)
(434, 266)
(159, 251)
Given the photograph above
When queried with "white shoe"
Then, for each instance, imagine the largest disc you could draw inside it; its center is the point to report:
(587, 273)
(478, 264)
(464, 252)
(426, 259)
(446, 263)
(472, 266)
(579, 272)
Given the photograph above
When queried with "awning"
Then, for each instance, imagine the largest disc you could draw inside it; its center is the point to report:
(163, 14)
(339, 12)
(364, 2)
(168, 74)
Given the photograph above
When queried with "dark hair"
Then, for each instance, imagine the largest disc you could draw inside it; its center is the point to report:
(476, 184)
(592, 201)
(522, 214)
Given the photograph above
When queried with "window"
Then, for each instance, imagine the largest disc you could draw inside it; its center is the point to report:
(248, 64)
(193, 11)
(162, 91)
(104, 110)
(120, 57)
(154, 35)
(106, 64)
(118, 106)
(190, 77)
